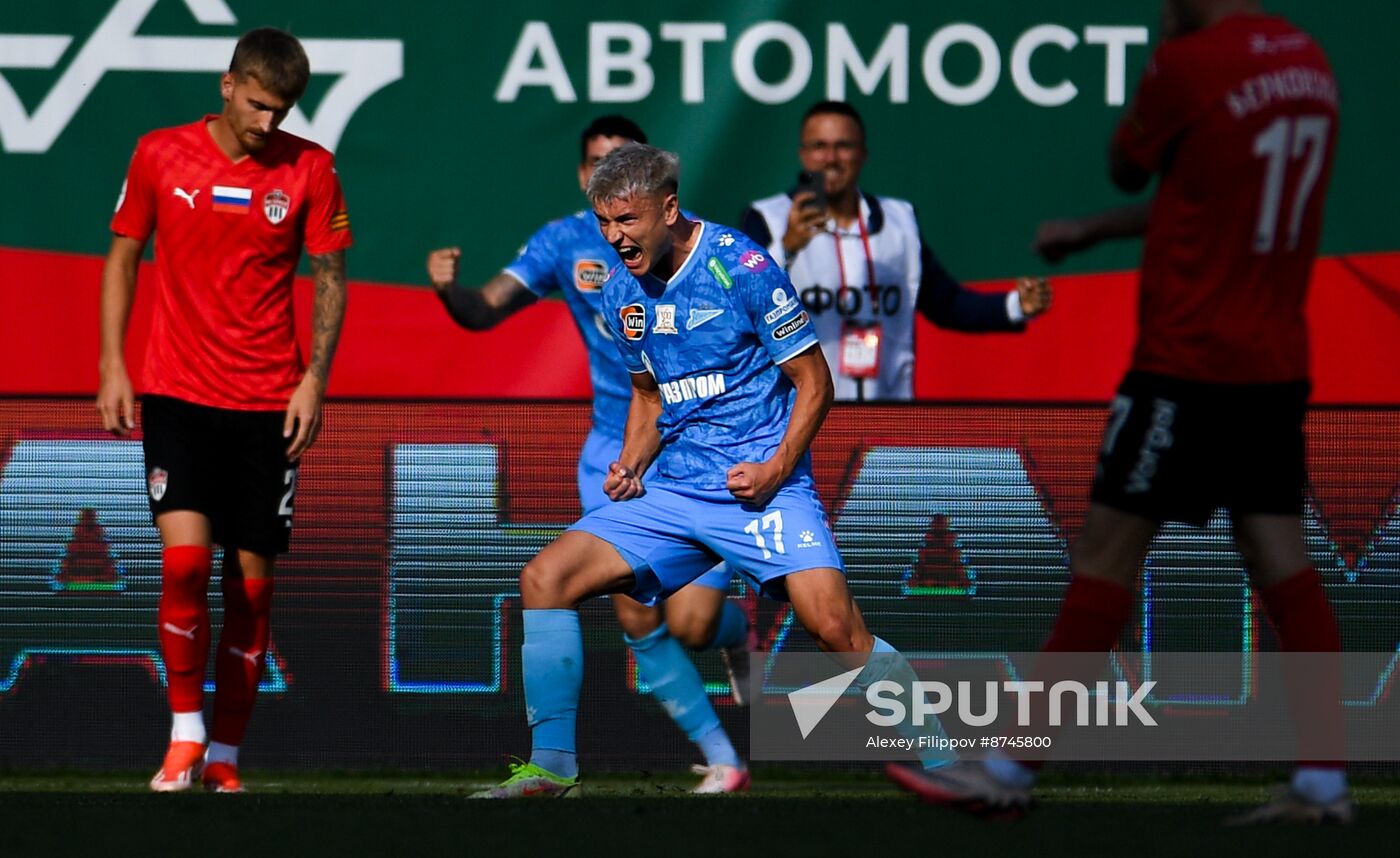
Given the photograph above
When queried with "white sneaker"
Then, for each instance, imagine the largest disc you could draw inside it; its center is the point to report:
(965, 785)
(720, 779)
(1290, 807)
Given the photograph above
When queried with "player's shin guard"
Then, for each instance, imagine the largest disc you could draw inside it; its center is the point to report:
(551, 660)
(238, 666)
(183, 618)
(676, 684)
(930, 741)
(1305, 624)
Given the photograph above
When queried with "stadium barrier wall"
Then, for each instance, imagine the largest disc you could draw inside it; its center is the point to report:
(396, 624)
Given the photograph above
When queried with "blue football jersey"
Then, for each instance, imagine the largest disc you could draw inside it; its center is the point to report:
(570, 255)
(713, 337)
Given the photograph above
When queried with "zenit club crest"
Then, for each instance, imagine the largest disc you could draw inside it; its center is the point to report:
(276, 205)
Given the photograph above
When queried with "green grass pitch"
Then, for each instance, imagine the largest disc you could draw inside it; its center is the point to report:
(785, 814)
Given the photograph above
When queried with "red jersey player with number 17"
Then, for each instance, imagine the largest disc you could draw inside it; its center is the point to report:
(1237, 113)
(228, 407)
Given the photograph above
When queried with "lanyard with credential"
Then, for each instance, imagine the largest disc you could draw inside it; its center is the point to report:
(869, 258)
(860, 343)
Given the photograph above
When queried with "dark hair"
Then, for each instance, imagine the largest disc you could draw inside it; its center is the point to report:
(275, 58)
(840, 108)
(612, 125)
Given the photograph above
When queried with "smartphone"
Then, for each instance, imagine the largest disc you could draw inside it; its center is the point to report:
(814, 183)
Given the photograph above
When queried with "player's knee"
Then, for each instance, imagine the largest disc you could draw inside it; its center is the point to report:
(186, 566)
(837, 633)
(544, 584)
(1250, 551)
(637, 620)
(692, 631)
(1094, 557)
(1084, 559)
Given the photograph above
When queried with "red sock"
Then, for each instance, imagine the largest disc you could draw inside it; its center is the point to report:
(1091, 618)
(183, 620)
(1301, 614)
(1304, 623)
(238, 667)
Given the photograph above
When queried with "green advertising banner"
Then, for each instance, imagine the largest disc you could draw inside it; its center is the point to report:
(457, 122)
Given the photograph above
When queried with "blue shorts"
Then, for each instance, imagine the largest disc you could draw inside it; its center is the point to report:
(599, 451)
(672, 534)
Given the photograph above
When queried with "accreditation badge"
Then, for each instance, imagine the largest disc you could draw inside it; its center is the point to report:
(860, 349)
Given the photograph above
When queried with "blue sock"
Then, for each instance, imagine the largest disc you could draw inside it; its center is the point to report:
(551, 659)
(1010, 772)
(674, 681)
(886, 663)
(1322, 786)
(717, 748)
(733, 626)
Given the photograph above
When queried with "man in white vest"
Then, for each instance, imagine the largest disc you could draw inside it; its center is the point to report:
(862, 267)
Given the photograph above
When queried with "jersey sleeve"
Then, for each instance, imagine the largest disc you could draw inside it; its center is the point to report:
(135, 216)
(1162, 108)
(613, 314)
(773, 308)
(536, 265)
(327, 221)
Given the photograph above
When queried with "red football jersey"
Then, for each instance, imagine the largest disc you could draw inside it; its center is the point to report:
(1241, 120)
(229, 236)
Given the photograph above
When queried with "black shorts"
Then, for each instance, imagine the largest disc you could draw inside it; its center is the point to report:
(229, 465)
(1176, 450)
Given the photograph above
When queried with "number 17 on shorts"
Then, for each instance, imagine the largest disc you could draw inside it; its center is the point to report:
(789, 534)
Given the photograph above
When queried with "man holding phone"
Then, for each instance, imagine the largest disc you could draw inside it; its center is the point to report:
(861, 265)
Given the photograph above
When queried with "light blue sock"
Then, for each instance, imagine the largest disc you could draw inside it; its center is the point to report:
(733, 626)
(1010, 772)
(1322, 786)
(551, 659)
(887, 663)
(717, 748)
(676, 684)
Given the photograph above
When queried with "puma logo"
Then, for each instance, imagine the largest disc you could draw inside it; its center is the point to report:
(250, 657)
(186, 195)
(176, 630)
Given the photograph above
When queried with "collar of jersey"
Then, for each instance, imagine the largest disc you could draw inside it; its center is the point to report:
(689, 260)
(213, 145)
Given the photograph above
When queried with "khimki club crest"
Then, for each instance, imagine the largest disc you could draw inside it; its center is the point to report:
(276, 205)
(156, 482)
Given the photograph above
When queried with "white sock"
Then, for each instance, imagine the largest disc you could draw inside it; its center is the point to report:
(1009, 772)
(221, 753)
(1321, 786)
(187, 727)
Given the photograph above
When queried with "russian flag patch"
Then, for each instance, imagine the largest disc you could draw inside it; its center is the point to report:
(232, 200)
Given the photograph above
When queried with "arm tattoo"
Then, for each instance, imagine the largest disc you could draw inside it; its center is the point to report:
(328, 312)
